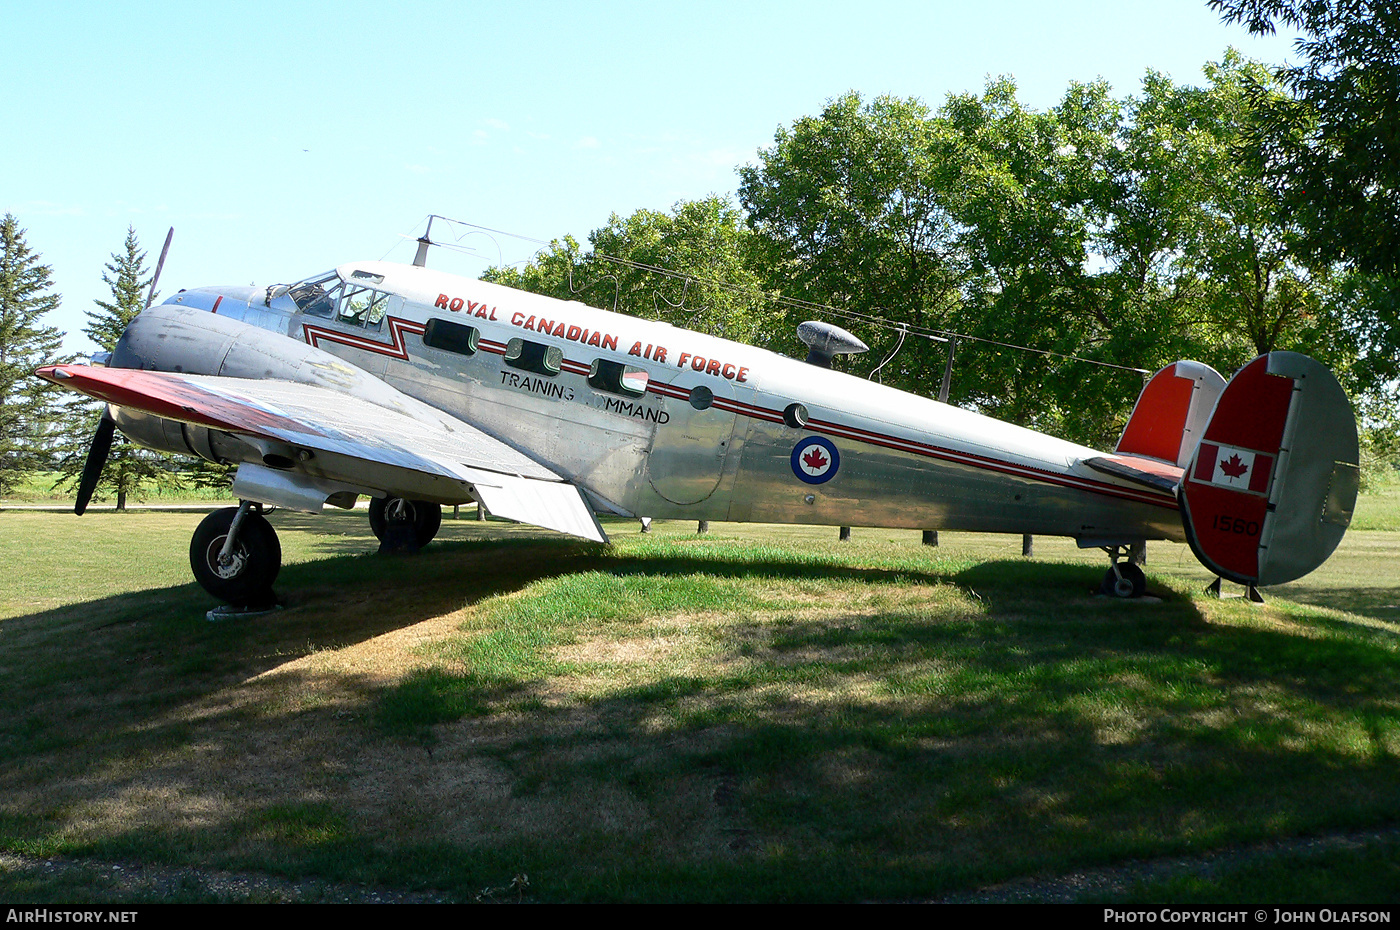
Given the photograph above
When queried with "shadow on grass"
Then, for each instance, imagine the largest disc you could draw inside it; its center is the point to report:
(855, 755)
(1381, 602)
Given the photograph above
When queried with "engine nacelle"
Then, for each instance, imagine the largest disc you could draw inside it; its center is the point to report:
(196, 342)
(181, 438)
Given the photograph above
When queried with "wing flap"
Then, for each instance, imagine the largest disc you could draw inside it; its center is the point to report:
(553, 505)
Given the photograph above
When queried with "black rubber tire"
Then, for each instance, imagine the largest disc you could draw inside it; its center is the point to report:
(426, 517)
(1129, 582)
(257, 558)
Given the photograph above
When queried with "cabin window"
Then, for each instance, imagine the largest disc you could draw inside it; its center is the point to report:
(534, 356)
(617, 378)
(362, 306)
(451, 337)
(795, 415)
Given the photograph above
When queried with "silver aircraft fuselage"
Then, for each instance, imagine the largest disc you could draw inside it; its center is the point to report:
(652, 420)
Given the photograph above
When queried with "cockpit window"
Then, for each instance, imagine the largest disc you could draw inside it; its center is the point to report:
(362, 306)
(314, 295)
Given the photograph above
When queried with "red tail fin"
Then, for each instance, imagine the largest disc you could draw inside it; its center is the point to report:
(1171, 413)
(1270, 488)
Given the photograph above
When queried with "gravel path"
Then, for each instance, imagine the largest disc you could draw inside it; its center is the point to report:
(114, 881)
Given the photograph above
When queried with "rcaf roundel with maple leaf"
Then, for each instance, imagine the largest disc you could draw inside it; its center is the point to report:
(815, 460)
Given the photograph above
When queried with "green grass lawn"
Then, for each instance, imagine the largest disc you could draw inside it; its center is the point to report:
(762, 713)
(39, 488)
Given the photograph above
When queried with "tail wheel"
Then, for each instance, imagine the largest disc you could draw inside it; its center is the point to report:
(245, 578)
(388, 515)
(1124, 579)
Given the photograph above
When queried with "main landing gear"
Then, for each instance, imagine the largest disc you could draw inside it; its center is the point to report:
(235, 556)
(1123, 578)
(403, 525)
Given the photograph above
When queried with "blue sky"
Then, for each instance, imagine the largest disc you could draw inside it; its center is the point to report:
(280, 139)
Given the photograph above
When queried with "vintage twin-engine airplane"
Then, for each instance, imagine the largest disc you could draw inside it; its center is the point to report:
(420, 388)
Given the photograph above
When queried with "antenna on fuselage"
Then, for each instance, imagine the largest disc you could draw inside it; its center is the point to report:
(823, 340)
(421, 259)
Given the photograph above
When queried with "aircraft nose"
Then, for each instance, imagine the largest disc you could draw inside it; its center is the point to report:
(215, 299)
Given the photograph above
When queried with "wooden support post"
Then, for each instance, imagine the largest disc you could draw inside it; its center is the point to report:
(845, 534)
(930, 537)
(703, 528)
(1027, 545)
(948, 370)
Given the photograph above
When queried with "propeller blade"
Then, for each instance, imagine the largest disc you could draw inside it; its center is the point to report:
(155, 279)
(96, 458)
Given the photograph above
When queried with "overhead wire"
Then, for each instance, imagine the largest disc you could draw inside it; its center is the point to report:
(796, 303)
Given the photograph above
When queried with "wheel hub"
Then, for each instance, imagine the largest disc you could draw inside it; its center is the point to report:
(230, 566)
(399, 510)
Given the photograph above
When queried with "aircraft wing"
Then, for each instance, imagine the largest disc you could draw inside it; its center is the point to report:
(332, 437)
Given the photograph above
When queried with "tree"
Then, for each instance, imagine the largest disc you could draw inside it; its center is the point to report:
(129, 469)
(27, 404)
(1254, 291)
(1127, 232)
(973, 218)
(1029, 188)
(848, 208)
(1333, 148)
(692, 267)
(123, 276)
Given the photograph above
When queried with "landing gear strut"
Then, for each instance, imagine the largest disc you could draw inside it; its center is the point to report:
(1123, 578)
(235, 556)
(403, 525)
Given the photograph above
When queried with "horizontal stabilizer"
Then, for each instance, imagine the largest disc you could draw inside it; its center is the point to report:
(1270, 488)
(1145, 471)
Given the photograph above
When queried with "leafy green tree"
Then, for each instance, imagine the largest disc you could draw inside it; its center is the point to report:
(552, 273)
(691, 267)
(849, 209)
(1025, 198)
(1128, 232)
(974, 219)
(1234, 249)
(1332, 148)
(28, 405)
